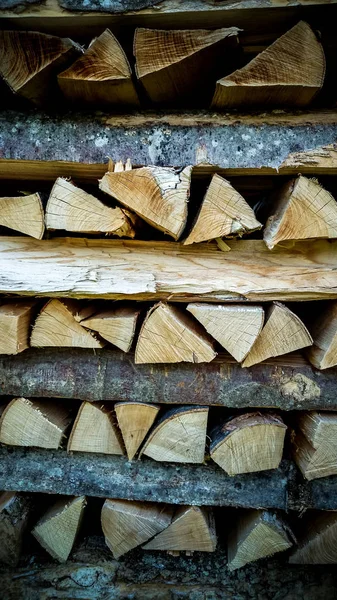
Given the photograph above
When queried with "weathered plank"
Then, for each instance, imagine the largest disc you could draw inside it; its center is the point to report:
(288, 383)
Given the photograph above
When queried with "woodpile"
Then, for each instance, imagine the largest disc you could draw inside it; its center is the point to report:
(315, 444)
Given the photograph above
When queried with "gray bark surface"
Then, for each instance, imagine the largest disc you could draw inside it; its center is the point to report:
(113, 6)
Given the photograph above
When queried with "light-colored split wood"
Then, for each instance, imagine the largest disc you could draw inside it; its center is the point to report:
(302, 209)
(290, 72)
(318, 427)
(57, 325)
(157, 194)
(102, 76)
(94, 430)
(56, 531)
(180, 436)
(24, 214)
(128, 524)
(318, 542)
(223, 212)
(249, 443)
(255, 535)
(117, 325)
(315, 444)
(14, 518)
(37, 423)
(73, 209)
(169, 335)
(15, 320)
(235, 327)
(283, 332)
(135, 420)
(323, 353)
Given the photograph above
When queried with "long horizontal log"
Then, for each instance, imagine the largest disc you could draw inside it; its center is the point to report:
(115, 269)
(287, 383)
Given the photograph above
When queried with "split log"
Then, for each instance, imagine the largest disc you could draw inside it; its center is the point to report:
(15, 320)
(158, 195)
(181, 66)
(128, 524)
(117, 325)
(318, 543)
(14, 519)
(30, 61)
(302, 209)
(318, 427)
(180, 436)
(24, 214)
(94, 430)
(249, 443)
(36, 423)
(223, 212)
(73, 209)
(169, 335)
(323, 353)
(135, 420)
(102, 76)
(290, 72)
(58, 324)
(315, 444)
(235, 327)
(192, 530)
(283, 332)
(56, 531)
(256, 534)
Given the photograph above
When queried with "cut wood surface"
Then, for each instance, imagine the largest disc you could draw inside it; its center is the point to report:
(323, 353)
(14, 518)
(135, 420)
(180, 436)
(157, 194)
(315, 444)
(256, 534)
(30, 61)
(56, 531)
(176, 66)
(192, 530)
(15, 320)
(223, 212)
(102, 76)
(283, 332)
(129, 524)
(235, 327)
(317, 542)
(58, 324)
(94, 430)
(73, 209)
(117, 325)
(302, 209)
(290, 72)
(39, 423)
(318, 427)
(248, 443)
(24, 214)
(169, 335)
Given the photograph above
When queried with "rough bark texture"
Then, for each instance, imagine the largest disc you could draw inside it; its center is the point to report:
(111, 6)
(19, 5)
(288, 383)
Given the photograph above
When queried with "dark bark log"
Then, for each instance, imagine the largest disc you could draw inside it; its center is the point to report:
(110, 6)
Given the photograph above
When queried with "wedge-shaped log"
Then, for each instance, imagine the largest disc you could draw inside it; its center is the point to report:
(73, 209)
(169, 335)
(290, 72)
(56, 531)
(58, 324)
(128, 524)
(283, 332)
(323, 353)
(117, 325)
(248, 443)
(14, 518)
(102, 76)
(34, 423)
(192, 530)
(315, 444)
(30, 61)
(15, 320)
(302, 209)
(24, 214)
(256, 534)
(235, 327)
(157, 194)
(94, 430)
(180, 66)
(135, 420)
(223, 212)
(318, 541)
(180, 436)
